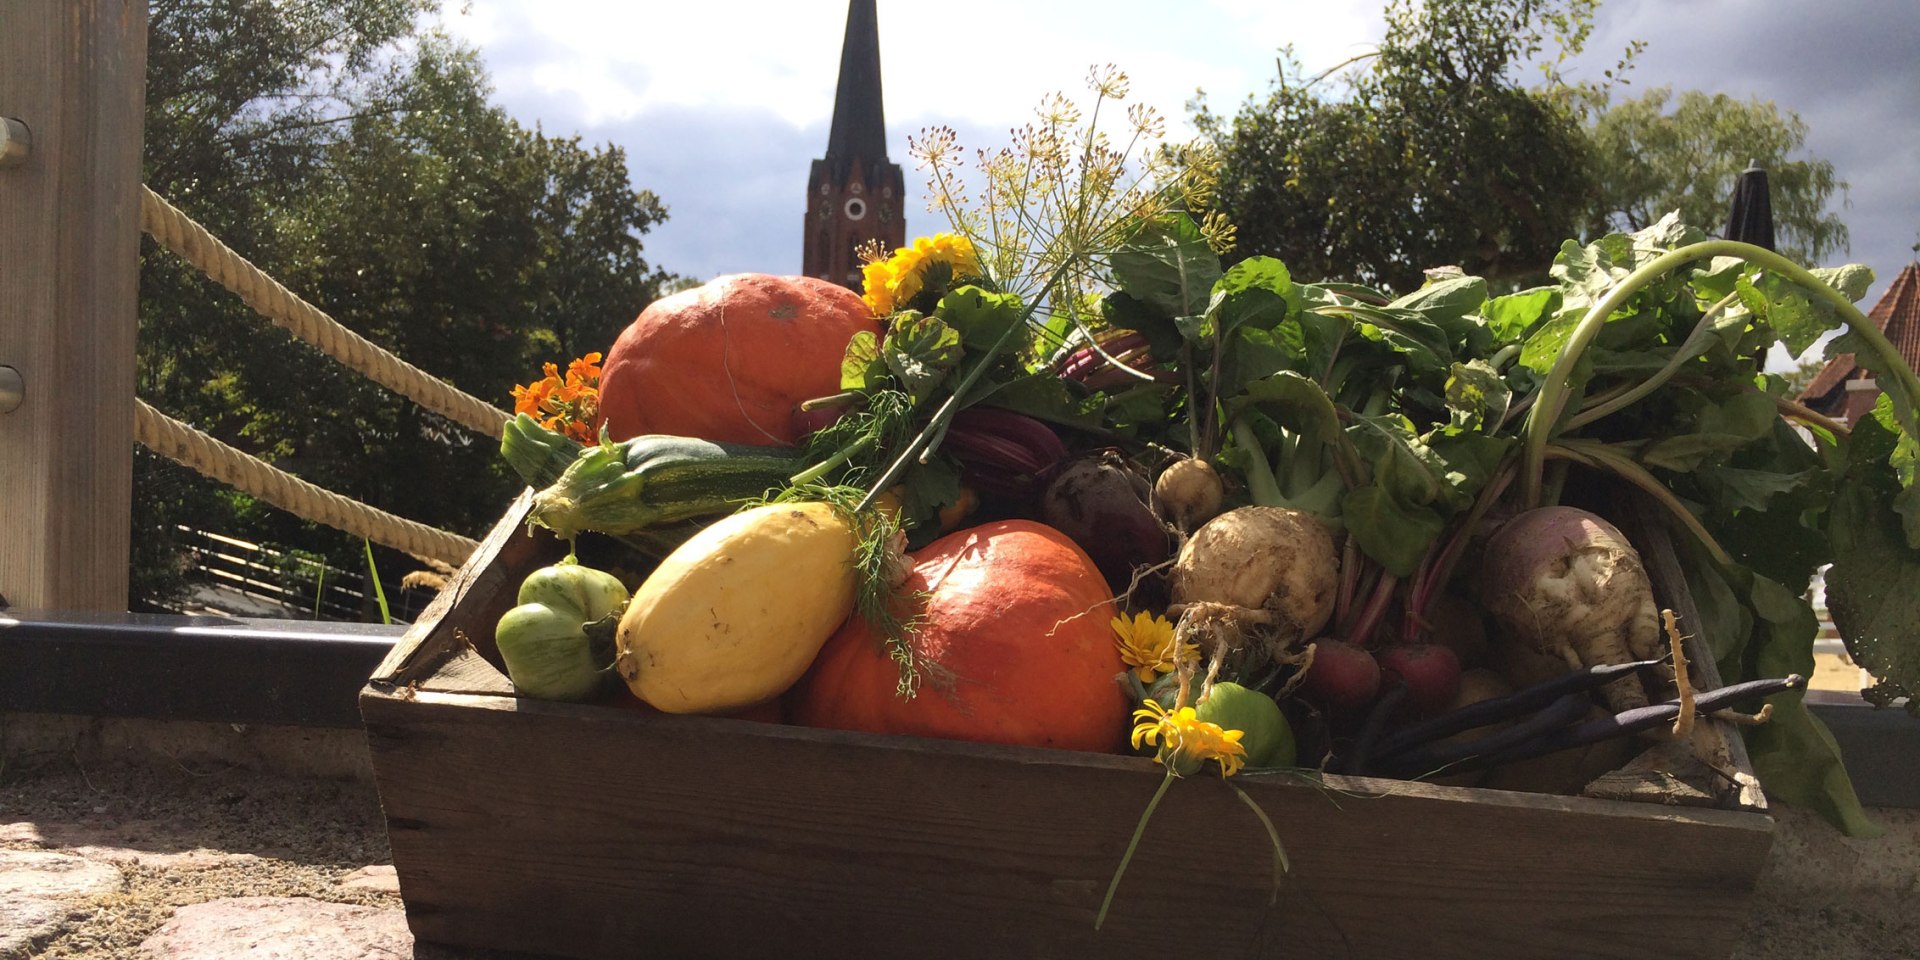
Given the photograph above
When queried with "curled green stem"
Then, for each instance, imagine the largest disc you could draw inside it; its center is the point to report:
(1555, 393)
(1689, 349)
(1597, 455)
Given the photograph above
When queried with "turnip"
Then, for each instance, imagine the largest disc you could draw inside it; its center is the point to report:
(1269, 570)
(1564, 582)
(1188, 493)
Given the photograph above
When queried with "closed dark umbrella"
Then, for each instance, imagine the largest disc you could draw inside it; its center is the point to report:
(1750, 220)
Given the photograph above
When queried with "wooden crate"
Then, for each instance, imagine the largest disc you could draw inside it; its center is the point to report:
(595, 832)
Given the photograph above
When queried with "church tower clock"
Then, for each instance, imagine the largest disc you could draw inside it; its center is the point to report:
(854, 193)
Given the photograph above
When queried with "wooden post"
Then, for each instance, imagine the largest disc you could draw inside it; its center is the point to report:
(74, 73)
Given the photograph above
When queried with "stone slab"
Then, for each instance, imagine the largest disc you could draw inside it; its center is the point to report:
(281, 928)
(380, 878)
(49, 874)
(27, 921)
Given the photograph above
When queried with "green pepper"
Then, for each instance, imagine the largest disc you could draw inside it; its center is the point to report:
(558, 643)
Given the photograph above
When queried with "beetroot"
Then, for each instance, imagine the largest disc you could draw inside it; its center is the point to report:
(1342, 678)
(1430, 671)
(1100, 501)
(1003, 454)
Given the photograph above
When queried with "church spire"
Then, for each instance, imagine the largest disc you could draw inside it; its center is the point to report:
(859, 121)
(854, 193)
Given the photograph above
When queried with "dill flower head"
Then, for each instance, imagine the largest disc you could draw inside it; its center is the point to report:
(1147, 645)
(892, 283)
(1185, 741)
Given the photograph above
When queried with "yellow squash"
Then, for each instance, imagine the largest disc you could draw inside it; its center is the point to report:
(735, 615)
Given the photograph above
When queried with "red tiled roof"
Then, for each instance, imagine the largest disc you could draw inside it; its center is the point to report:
(1897, 315)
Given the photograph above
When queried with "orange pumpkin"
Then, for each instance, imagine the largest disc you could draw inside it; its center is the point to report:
(1016, 648)
(730, 360)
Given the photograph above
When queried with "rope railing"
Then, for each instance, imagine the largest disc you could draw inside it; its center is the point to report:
(170, 438)
(179, 233)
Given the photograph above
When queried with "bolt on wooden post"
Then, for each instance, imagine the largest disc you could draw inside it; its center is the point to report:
(73, 80)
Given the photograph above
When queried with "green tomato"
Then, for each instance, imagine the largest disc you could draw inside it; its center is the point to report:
(1268, 737)
(591, 594)
(557, 642)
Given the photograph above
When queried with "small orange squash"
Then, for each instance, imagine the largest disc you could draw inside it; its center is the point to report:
(729, 361)
(1016, 648)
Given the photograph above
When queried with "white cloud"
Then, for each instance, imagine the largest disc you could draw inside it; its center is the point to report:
(718, 104)
(615, 60)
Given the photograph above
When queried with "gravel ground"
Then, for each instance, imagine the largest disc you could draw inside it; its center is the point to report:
(303, 836)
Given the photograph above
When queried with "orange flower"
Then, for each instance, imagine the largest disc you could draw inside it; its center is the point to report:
(568, 405)
(585, 370)
(530, 398)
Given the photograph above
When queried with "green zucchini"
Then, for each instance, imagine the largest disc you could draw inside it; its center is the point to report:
(626, 487)
(537, 454)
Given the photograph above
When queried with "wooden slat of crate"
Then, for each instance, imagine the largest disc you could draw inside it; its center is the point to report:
(589, 832)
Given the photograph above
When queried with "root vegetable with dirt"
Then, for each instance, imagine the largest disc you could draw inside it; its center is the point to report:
(1564, 582)
(1268, 570)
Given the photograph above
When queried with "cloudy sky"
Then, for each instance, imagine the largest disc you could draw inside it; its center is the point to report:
(721, 106)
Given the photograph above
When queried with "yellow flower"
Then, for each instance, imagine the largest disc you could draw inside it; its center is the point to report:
(877, 280)
(1185, 741)
(892, 282)
(1147, 645)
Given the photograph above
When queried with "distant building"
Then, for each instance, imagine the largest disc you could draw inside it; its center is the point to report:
(1844, 391)
(854, 193)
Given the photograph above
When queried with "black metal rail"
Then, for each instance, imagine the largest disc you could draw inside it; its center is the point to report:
(306, 673)
(299, 673)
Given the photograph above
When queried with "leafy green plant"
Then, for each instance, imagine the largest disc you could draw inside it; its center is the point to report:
(379, 591)
(1405, 421)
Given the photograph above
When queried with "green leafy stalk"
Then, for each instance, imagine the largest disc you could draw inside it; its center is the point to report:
(840, 458)
(1133, 844)
(1262, 488)
(373, 574)
(1554, 393)
(1280, 864)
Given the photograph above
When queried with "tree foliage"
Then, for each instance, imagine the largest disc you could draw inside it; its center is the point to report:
(351, 151)
(1660, 152)
(1434, 153)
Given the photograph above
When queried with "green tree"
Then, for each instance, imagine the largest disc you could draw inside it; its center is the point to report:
(1659, 152)
(1433, 154)
(352, 152)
